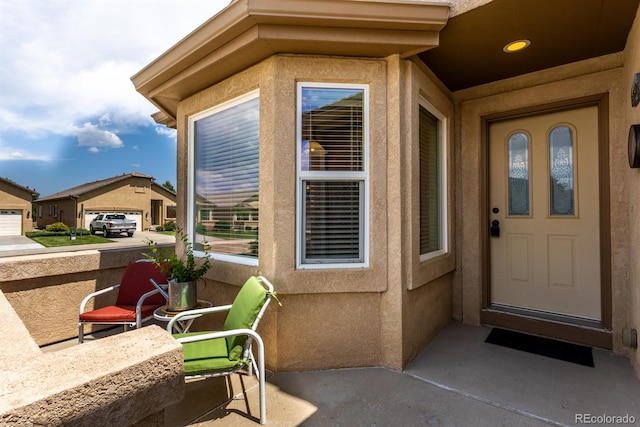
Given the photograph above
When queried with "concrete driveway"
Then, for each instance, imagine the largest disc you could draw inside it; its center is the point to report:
(17, 243)
(139, 238)
(21, 245)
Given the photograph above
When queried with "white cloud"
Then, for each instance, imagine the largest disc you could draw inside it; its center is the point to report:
(89, 135)
(168, 132)
(13, 153)
(66, 61)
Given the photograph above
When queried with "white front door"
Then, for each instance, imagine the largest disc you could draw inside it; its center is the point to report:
(544, 203)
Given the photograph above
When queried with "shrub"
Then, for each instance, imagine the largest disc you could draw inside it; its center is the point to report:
(58, 226)
(253, 248)
(222, 225)
(169, 226)
(42, 233)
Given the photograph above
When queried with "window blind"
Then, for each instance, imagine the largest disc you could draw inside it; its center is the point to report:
(332, 221)
(227, 178)
(429, 139)
(332, 129)
(332, 166)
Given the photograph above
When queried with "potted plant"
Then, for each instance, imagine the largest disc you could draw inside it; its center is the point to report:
(183, 272)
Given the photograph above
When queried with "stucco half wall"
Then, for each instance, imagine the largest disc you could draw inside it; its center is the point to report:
(127, 379)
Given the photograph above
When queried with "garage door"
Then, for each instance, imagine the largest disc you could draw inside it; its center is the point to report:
(136, 216)
(10, 223)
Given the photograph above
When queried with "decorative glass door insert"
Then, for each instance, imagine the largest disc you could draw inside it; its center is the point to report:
(519, 174)
(561, 171)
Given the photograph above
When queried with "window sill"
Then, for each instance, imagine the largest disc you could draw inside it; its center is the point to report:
(430, 269)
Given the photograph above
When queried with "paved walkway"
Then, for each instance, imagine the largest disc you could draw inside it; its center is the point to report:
(17, 243)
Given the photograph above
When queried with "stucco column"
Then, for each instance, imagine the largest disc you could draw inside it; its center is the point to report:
(391, 336)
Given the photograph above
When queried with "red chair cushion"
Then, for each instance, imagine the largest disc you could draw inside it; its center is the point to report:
(135, 283)
(118, 313)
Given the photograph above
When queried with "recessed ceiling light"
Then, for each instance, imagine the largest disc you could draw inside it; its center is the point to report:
(516, 45)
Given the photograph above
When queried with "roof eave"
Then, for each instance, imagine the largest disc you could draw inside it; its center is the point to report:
(246, 32)
(20, 187)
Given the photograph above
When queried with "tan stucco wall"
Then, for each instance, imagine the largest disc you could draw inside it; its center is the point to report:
(46, 289)
(586, 78)
(356, 315)
(631, 115)
(419, 294)
(426, 311)
(461, 6)
(14, 198)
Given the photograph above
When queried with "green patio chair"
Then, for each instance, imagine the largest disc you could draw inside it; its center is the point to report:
(208, 354)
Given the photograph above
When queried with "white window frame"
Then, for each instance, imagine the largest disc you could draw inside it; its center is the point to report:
(444, 194)
(332, 176)
(191, 232)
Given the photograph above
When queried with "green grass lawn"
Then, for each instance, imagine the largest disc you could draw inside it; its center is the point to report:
(233, 234)
(54, 241)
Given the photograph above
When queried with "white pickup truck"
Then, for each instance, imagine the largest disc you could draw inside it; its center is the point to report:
(112, 223)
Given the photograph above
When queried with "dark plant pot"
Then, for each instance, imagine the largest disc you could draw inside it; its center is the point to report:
(182, 296)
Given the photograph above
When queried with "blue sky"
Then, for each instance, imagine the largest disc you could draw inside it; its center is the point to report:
(69, 113)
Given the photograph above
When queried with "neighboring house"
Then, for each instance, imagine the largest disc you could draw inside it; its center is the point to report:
(239, 212)
(15, 208)
(410, 169)
(135, 194)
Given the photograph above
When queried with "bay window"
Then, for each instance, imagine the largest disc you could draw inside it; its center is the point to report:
(433, 194)
(332, 175)
(224, 179)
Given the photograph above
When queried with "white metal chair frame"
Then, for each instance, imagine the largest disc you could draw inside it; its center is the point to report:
(247, 354)
(126, 324)
(139, 319)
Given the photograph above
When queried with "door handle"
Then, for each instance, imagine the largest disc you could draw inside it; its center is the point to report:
(495, 228)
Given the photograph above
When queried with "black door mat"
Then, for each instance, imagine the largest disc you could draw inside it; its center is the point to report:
(568, 352)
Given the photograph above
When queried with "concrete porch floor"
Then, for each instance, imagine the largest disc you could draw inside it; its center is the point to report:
(458, 380)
